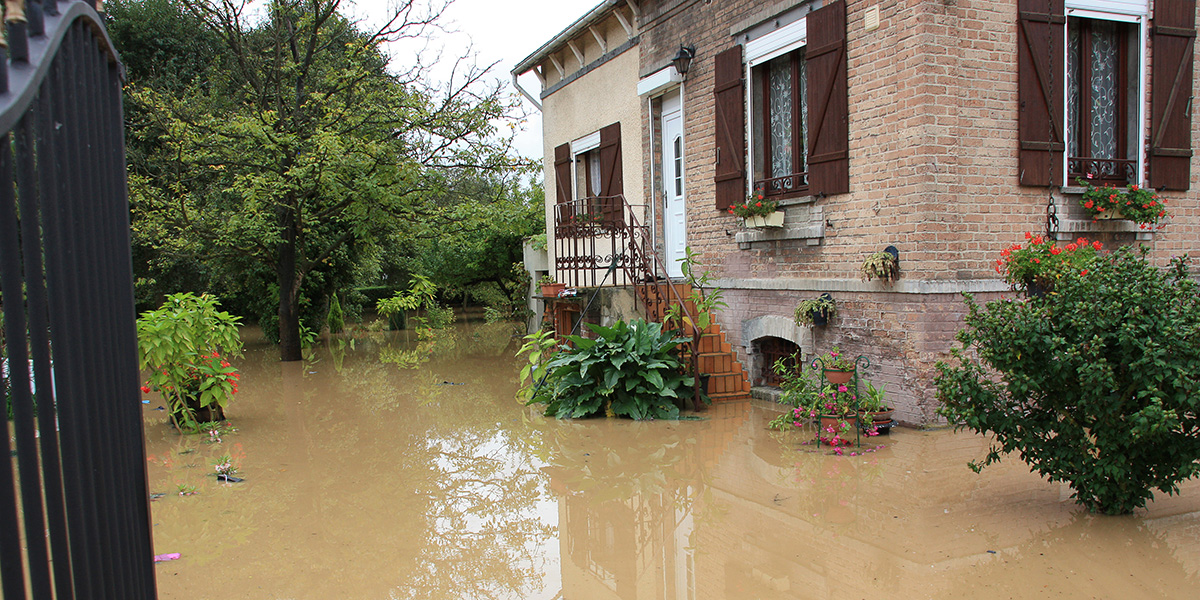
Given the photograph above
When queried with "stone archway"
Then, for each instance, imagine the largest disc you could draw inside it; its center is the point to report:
(759, 332)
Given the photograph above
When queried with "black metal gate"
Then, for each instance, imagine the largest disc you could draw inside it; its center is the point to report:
(74, 513)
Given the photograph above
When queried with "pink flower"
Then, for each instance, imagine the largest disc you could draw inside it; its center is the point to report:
(842, 388)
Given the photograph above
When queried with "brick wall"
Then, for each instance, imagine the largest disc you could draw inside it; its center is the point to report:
(933, 170)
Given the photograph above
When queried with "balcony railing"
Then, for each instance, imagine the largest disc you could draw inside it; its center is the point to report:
(1102, 170)
(794, 183)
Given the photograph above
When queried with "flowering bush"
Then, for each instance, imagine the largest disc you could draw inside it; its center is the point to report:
(180, 345)
(1042, 262)
(836, 360)
(755, 206)
(1140, 205)
(1094, 385)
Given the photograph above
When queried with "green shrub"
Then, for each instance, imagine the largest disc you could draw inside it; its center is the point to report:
(336, 319)
(183, 346)
(1095, 384)
(628, 370)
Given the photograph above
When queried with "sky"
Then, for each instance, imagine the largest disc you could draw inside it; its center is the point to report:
(503, 31)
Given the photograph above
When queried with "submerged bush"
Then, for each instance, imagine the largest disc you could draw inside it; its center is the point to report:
(1095, 384)
(628, 370)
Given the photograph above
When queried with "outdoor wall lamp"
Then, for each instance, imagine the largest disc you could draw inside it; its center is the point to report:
(683, 59)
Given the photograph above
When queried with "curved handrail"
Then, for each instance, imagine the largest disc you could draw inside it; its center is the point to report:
(33, 44)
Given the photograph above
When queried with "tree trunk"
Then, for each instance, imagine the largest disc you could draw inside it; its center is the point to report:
(289, 305)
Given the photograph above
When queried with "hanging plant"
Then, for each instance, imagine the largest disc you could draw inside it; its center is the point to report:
(884, 265)
(816, 311)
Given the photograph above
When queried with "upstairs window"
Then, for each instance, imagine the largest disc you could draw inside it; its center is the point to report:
(781, 121)
(1102, 100)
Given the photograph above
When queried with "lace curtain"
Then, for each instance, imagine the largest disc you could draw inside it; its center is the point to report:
(1101, 79)
(782, 98)
(780, 119)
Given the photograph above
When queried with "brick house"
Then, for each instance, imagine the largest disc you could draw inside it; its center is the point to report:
(944, 128)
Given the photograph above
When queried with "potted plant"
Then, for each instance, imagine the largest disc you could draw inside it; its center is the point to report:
(873, 406)
(837, 368)
(837, 415)
(816, 311)
(884, 265)
(1033, 268)
(184, 346)
(550, 288)
(758, 212)
(1140, 205)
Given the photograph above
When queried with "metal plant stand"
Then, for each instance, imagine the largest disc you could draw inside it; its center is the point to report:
(861, 362)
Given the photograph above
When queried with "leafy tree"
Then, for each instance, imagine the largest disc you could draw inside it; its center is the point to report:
(1095, 384)
(300, 151)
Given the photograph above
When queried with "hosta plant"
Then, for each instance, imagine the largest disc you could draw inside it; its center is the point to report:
(629, 370)
(1095, 385)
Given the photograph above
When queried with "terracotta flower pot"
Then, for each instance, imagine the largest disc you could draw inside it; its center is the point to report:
(551, 290)
(838, 376)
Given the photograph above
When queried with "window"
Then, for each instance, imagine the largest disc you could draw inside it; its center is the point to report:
(587, 174)
(1102, 100)
(588, 183)
(1082, 73)
(780, 108)
(798, 124)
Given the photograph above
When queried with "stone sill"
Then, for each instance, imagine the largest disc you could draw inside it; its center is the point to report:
(802, 221)
(1069, 227)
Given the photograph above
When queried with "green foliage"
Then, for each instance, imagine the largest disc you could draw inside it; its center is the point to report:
(881, 265)
(301, 157)
(628, 370)
(540, 346)
(538, 242)
(1140, 205)
(421, 295)
(1043, 262)
(807, 309)
(698, 278)
(181, 345)
(1094, 385)
(335, 319)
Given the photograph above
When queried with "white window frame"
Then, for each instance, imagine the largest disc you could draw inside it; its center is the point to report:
(579, 146)
(758, 51)
(1123, 11)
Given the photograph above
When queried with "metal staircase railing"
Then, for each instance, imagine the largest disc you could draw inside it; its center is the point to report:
(591, 233)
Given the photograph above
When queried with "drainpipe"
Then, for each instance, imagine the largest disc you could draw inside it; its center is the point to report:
(527, 95)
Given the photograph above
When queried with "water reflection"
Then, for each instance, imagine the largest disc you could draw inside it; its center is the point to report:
(402, 469)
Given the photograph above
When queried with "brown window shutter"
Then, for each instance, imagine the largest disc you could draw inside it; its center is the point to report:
(1173, 42)
(562, 173)
(610, 173)
(1040, 85)
(828, 101)
(729, 102)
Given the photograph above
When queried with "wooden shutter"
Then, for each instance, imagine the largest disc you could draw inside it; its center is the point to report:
(610, 174)
(1173, 43)
(1040, 85)
(828, 101)
(562, 173)
(730, 112)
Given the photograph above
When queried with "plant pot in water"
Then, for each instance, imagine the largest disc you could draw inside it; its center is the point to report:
(837, 376)
(205, 414)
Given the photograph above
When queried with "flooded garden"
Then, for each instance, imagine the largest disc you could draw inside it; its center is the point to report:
(391, 467)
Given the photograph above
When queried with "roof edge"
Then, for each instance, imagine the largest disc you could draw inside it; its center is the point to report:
(592, 16)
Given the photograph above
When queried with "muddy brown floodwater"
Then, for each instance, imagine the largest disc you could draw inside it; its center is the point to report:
(398, 469)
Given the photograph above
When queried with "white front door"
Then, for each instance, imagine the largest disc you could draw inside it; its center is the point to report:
(674, 213)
